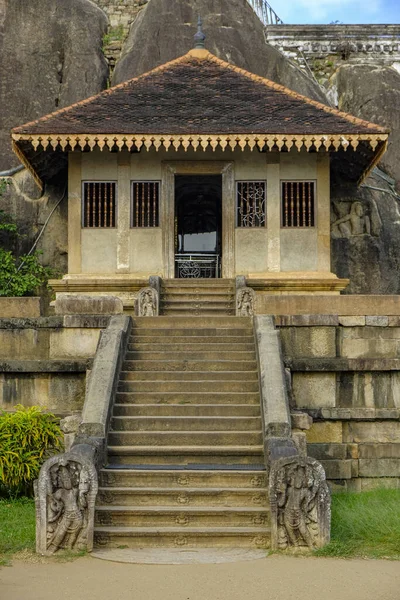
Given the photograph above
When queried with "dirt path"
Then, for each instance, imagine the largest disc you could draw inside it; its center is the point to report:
(273, 578)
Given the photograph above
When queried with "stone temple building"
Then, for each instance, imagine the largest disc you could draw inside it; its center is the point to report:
(230, 377)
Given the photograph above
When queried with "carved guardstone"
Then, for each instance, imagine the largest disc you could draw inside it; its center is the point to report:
(65, 495)
(245, 302)
(147, 302)
(300, 504)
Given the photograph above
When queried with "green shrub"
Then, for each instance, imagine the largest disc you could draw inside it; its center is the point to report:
(28, 437)
(21, 276)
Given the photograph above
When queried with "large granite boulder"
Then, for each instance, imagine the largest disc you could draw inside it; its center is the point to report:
(50, 57)
(366, 248)
(164, 30)
(373, 93)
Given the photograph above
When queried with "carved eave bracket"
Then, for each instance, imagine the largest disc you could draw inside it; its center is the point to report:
(300, 504)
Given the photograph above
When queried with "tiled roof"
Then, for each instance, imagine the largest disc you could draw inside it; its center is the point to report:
(198, 94)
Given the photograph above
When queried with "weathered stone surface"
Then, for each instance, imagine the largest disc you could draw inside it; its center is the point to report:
(379, 467)
(88, 305)
(301, 420)
(365, 432)
(352, 321)
(70, 343)
(21, 308)
(328, 451)
(366, 390)
(86, 321)
(377, 321)
(50, 57)
(326, 432)
(65, 495)
(24, 344)
(376, 451)
(367, 484)
(371, 260)
(309, 342)
(299, 497)
(314, 390)
(338, 469)
(306, 320)
(234, 33)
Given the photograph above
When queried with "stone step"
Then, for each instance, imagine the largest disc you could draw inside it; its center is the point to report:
(184, 438)
(187, 386)
(197, 366)
(188, 456)
(181, 375)
(219, 303)
(192, 323)
(186, 398)
(180, 537)
(207, 332)
(190, 345)
(194, 355)
(182, 478)
(196, 296)
(206, 312)
(178, 424)
(183, 516)
(186, 410)
(198, 283)
(177, 497)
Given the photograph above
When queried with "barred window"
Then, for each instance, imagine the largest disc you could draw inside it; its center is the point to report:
(251, 203)
(298, 203)
(145, 203)
(99, 204)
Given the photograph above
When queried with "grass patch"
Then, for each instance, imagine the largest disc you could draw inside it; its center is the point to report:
(365, 525)
(17, 527)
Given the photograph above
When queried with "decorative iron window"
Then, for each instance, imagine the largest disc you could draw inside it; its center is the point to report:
(99, 204)
(251, 203)
(145, 203)
(298, 203)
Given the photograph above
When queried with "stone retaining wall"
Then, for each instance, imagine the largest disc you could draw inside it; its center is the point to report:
(45, 361)
(375, 44)
(345, 374)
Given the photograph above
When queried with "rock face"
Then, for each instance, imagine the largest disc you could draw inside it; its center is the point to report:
(165, 29)
(369, 252)
(50, 57)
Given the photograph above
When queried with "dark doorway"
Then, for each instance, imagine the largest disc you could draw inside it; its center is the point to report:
(198, 224)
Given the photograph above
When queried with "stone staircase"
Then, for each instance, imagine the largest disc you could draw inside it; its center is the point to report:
(186, 465)
(180, 297)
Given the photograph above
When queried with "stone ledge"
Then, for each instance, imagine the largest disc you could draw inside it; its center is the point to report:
(306, 320)
(32, 323)
(45, 366)
(376, 451)
(338, 364)
(86, 321)
(356, 414)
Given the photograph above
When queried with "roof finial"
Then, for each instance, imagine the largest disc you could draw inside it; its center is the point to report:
(199, 38)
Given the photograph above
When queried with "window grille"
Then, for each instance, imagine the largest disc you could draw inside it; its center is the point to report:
(251, 203)
(298, 203)
(99, 204)
(145, 203)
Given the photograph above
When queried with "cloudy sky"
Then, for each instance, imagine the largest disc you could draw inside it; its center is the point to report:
(344, 11)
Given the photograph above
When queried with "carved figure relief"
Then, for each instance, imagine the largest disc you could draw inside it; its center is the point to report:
(300, 503)
(65, 495)
(245, 302)
(354, 223)
(147, 302)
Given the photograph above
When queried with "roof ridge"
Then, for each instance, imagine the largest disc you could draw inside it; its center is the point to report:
(279, 87)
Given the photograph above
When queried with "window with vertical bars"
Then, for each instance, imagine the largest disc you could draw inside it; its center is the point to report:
(298, 203)
(145, 203)
(251, 203)
(99, 204)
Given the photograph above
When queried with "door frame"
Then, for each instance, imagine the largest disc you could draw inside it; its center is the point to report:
(226, 170)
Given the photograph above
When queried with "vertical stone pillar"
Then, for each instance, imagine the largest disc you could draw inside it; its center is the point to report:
(123, 211)
(323, 212)
(74, 212)
(228, 220)
(274, 212)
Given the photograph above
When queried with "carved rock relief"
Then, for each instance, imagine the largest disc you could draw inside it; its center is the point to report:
(300, 504)
(65, 495)
(147, 303)
(245, 302)
(357, 220)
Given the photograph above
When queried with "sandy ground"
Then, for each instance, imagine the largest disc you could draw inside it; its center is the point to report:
(272, 578)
